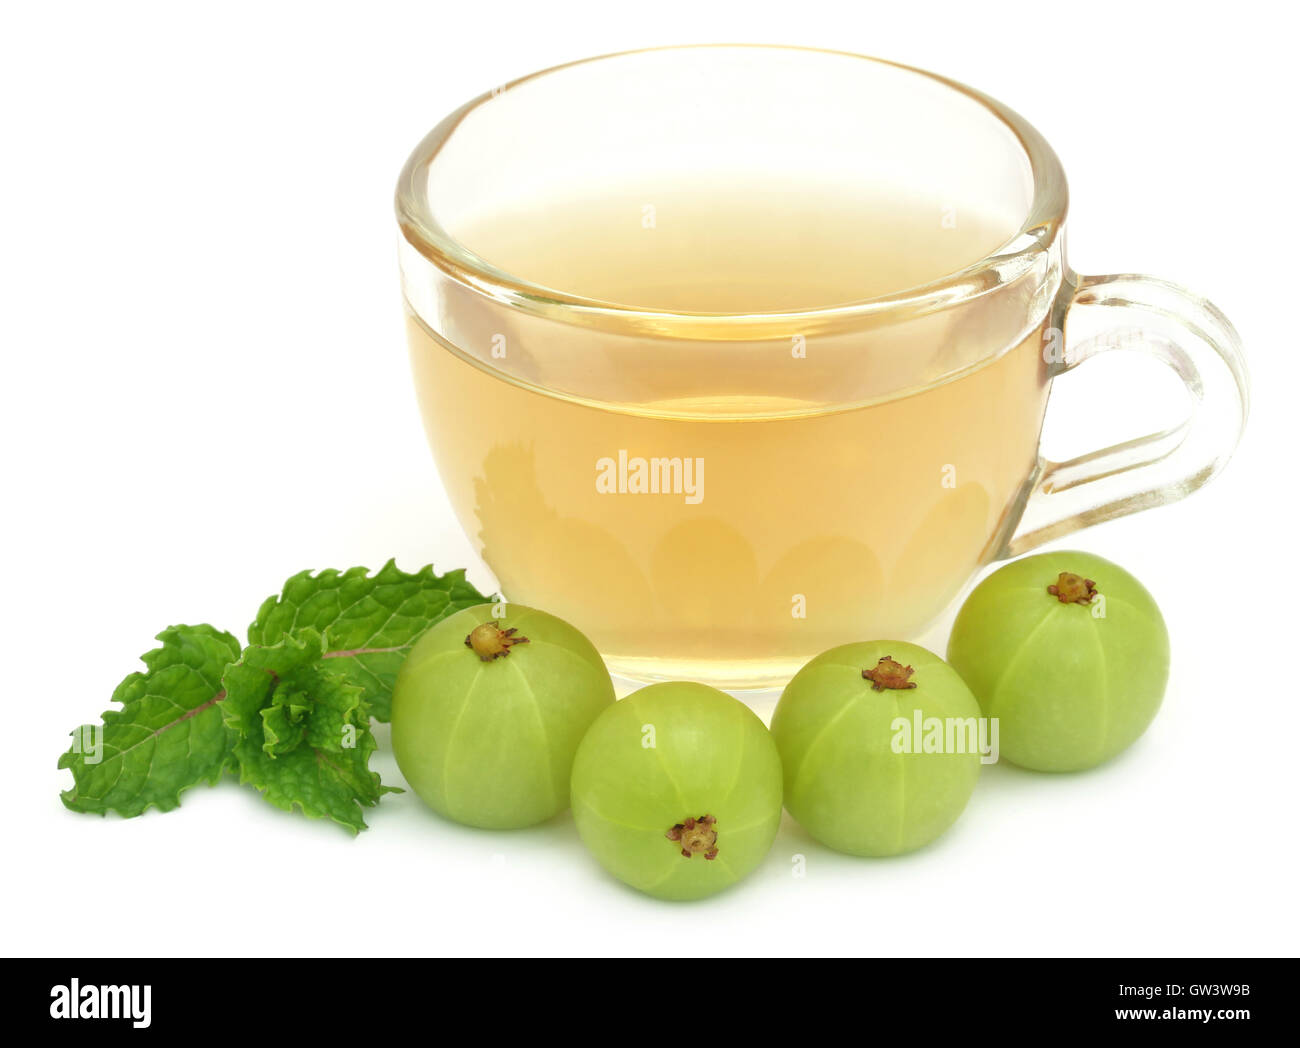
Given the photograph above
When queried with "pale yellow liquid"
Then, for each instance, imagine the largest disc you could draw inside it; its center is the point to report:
(819, 528)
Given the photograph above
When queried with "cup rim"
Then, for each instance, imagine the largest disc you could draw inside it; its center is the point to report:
(1009, 262)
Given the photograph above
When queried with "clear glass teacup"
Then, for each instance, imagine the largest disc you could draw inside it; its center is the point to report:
(730, 354)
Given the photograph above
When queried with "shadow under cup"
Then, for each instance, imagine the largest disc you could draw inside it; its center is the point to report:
(728, 355)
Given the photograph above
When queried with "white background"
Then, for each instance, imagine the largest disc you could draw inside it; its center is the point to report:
(205, 390)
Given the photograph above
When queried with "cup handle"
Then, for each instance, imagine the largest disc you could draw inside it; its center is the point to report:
(1185, 332)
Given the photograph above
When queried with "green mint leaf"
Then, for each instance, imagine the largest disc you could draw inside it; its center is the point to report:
(168, 735)
(302, 730)
(367, 622)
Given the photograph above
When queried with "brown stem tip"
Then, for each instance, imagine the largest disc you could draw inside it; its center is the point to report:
(890, 674)
(696, 836)
(1073, 589)
(489, 641)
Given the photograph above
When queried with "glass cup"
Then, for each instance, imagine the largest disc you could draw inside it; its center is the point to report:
(755, 451)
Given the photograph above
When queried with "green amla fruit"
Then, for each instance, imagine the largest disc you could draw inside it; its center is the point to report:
(677, 790)
(488, 712)
(1069, 652)
(864, 772)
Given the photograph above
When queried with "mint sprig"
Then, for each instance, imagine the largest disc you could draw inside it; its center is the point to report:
(289, 713)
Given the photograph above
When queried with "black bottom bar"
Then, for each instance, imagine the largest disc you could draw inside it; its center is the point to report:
(337, 996)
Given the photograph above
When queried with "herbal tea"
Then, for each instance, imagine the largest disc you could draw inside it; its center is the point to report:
(730, 506)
